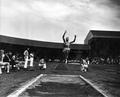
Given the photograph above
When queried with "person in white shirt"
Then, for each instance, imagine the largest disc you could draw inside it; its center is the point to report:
(26, 57)
(31, 59)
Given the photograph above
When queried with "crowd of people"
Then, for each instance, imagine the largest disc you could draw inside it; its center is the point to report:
(10, 61)
(98, 60)
(105, 60)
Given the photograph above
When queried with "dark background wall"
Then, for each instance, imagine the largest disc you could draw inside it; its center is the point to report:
(105, 47)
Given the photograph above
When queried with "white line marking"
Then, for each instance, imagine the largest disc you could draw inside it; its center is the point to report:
(96, 87)
(24, 87)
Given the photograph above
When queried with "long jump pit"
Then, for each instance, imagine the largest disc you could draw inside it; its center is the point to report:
(55, 85)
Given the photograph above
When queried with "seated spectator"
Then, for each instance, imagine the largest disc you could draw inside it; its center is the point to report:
(20, 64)
(14, 63)
(19, 60)
(4, 61)
(11, 60)
(84, 65)
(42, 64)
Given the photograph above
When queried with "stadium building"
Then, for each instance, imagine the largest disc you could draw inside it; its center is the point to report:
(103, 43)
(48, 50)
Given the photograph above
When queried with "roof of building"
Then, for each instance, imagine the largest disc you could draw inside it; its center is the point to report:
(101, 34)
(27, 42)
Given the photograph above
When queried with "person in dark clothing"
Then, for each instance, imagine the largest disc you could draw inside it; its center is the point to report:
(13, 62)
(6, 58)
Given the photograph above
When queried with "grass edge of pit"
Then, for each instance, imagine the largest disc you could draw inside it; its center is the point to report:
(21, 89)
(104, 93)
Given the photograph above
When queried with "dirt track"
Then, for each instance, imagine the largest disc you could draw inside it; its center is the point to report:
(52, 85)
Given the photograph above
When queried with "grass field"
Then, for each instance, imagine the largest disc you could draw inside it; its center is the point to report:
(106, 77)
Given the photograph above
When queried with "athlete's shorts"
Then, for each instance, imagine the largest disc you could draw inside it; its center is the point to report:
(66, 49)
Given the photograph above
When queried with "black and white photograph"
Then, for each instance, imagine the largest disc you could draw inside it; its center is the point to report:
(59, 48)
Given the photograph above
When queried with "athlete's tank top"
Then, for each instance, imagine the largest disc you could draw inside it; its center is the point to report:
(67, 45)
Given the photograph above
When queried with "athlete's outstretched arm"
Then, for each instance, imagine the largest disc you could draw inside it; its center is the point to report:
(73, 40)
(64, 35)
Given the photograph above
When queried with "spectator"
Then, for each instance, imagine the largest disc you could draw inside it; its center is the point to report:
(4, 61)
(84, 64)
(31, 59)
(13, 62)
(42, 64)
(26, 56)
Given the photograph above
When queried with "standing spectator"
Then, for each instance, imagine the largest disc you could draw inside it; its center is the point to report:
(26, 57)
(31, 59)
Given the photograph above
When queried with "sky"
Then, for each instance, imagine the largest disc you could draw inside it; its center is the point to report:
(46, 20)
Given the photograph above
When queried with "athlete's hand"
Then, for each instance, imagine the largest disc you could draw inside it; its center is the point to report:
(65, 31)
